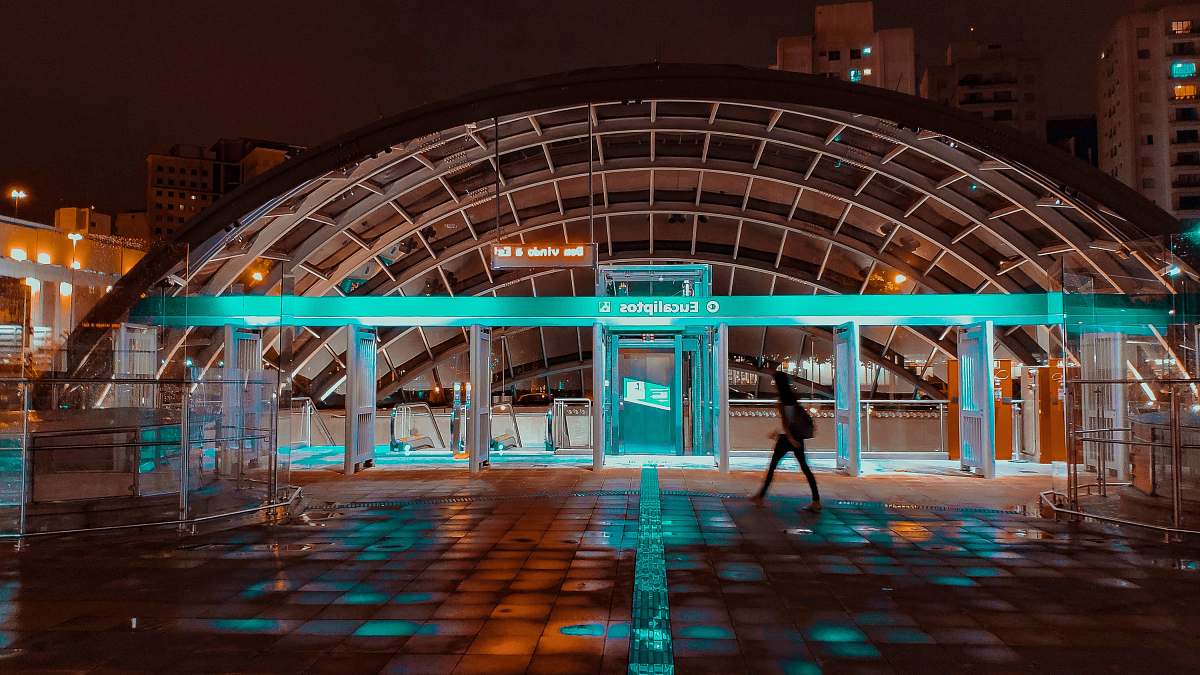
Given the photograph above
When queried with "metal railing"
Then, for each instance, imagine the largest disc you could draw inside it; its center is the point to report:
(1147, 429)
(505, 407)
(402, 418)
(870, 409)
(59, 449)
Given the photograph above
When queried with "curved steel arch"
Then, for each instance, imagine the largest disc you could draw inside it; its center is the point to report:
(294, 193)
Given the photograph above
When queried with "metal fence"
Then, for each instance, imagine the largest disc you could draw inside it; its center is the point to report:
(95, 454)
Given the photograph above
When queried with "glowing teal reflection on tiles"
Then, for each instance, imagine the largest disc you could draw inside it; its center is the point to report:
(824, 632)
(583, 630)
(246, 625)
(412, 598)
(853, 650)
(952, 581)
(800, 668)
(387, 628)
(362, 598)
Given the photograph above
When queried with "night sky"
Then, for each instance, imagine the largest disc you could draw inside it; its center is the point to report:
(89, 87)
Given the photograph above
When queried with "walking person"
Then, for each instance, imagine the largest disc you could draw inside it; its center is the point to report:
(797, 426)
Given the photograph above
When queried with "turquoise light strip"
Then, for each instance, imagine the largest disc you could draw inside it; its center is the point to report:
(650, 649)
(1014, 309)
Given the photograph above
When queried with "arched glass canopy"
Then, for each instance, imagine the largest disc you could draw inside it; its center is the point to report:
(784, 183)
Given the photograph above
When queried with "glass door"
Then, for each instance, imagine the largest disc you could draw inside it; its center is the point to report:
(649, 397)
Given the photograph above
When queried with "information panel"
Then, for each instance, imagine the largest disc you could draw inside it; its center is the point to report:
(523, 256)
(649, 394)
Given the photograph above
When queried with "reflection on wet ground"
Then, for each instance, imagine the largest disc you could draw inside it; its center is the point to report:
(533, 571)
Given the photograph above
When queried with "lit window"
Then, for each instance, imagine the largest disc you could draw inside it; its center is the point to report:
(1184, 91)
(1180, 69)
(64, 289)
(18, 254)
(866, 72)
(867, 51)
(75, 265)
(33, 284)
(1181, 26)
(43, 258)
(855, 75)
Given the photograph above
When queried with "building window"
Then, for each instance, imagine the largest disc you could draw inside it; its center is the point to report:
(855, 75)
(1181, 27)
(1186, 115)
(835, 55)
(1004, 115)
(1181, 69)
(1189, 202)
(1149, 139)
(1143, 53)
(1147, 183)
(1184, 92)
(1187, 136)
(855, 54)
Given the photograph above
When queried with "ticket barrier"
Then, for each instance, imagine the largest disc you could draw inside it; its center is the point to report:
(559, 436)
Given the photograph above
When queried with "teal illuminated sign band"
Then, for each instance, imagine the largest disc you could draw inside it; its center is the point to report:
(665, 312)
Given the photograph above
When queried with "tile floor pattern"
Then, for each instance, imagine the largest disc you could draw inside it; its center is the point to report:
(513, 583)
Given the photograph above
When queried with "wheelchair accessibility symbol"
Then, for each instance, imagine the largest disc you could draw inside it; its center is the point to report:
(605, 307)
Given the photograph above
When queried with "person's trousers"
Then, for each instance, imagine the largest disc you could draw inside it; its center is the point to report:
(782, 448)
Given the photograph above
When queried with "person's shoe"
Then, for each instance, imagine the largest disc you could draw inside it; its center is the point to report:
(814, 507)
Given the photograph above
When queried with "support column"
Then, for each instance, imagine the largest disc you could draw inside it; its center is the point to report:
(599, 394)
(479, 408)
(243, 398)
(847, 415)
(1102, 357)
(360, 398)
(976, 409)
(721, 368)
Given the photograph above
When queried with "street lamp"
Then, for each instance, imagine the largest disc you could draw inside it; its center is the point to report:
(17, 196)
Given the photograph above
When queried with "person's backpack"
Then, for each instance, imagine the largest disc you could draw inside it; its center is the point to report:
(801, 426)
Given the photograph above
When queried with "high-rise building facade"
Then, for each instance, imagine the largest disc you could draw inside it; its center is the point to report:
(845, 45)
(1148, 109)
(992, 82)
(189, 179)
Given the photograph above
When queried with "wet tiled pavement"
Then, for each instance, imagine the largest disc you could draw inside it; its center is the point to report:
(533, 571)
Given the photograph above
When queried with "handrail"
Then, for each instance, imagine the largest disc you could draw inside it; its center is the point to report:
(512, 415)
(296, 492)
(310, 408)
(1043, 498)
(409, 407)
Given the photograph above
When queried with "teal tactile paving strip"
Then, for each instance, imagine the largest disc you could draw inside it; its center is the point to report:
(650, 649)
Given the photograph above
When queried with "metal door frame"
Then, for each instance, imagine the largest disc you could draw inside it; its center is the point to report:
(623, 340)
(977, 408)
(847, 407)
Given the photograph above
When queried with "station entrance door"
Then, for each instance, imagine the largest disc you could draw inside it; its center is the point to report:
(658, 392)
